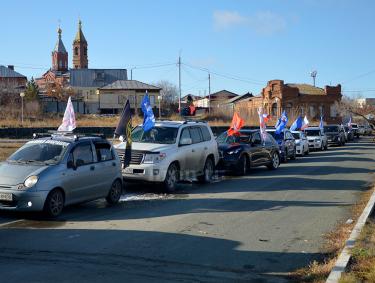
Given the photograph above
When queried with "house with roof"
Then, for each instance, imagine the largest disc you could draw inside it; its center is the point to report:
(215, 100)
(296, 99)
(12, 83)
(113, 97)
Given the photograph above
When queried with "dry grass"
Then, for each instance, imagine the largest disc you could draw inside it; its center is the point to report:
(334, 241)
(362, 267)
(6, 149)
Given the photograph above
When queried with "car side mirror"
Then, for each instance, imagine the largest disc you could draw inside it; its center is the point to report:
(71, 165)
(186, 141)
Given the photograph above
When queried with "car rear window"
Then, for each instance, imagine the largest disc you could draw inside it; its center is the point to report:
(206, 134)
(196, 135)
(103, 152)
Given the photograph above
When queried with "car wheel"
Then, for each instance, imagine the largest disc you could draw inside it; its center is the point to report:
(308, 151)
(275, 162)
(54, 203)
(171, 178)
(115, 192)
(293, 157)
(208, 171)
(242, 166)
(326, 146)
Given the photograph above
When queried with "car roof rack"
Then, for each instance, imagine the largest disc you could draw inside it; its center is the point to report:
(68, 134)
(194, 121)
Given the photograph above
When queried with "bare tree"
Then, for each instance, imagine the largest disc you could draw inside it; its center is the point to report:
(169, 94)
(350, 106)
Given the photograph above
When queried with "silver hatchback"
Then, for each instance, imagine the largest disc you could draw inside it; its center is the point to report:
(52, 172)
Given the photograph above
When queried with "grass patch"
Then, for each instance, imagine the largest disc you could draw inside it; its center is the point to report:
(362, 264)
(334, 242)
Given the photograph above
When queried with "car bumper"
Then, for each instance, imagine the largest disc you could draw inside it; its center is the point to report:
(145, 172)
(315, 145)
(23, 200)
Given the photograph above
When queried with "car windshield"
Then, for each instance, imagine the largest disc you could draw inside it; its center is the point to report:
(158, 134)
(44, 151)
(331, 128)
(239, 138)
(279, 136)
(312, 133)
(297, 136)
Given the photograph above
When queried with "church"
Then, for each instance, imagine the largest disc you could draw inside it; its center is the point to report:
(93, 90)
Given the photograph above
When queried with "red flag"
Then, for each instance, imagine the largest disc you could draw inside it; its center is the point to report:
(236, 125)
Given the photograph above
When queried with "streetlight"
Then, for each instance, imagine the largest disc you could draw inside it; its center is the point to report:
(159, 98)
(22, 94)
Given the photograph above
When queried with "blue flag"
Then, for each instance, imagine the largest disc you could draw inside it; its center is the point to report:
(321, 124)
(282, 123)
(148, 114)
(297, 124)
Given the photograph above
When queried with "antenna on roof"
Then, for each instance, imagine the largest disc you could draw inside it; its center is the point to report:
(313, 75)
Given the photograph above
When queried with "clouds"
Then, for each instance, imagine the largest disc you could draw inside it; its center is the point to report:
(263, 23)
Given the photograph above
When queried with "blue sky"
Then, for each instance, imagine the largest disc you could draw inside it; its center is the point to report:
(243, 43)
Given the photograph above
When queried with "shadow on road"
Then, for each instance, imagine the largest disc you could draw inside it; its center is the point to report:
(141, 255)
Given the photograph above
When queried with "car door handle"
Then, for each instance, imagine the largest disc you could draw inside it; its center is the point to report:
(114, 164)
(205, 148)
(92, 168)
(192, 150)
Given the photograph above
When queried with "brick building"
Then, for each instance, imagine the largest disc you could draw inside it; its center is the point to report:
(296, 99)
(12, 83)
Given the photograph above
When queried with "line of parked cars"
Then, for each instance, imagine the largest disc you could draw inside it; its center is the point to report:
(50, 172)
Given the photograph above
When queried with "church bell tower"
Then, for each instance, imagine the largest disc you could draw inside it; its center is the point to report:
(80, 59)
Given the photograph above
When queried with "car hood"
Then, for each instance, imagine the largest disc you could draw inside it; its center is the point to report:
(331, 133)
(14, 174)
(226, 146)
(155, 147)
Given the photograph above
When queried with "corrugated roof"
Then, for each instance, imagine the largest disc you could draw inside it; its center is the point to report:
(5, 72)
(239, 98)
(131, 85)
(308, 89)
(96, 77)
(222, 94)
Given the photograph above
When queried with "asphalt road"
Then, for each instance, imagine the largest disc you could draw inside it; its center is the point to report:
(238, 229)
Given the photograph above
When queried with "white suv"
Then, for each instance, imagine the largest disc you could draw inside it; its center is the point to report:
(317, 138)
(170, 152)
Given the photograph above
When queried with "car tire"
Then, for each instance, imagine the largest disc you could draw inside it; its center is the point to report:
(208, 171)
(242, 166)
(275, 161)
(322, 147)
(171, 178)
(115, 192)
(326, 146)
(294, 156)
(308, 151)
(54, 204)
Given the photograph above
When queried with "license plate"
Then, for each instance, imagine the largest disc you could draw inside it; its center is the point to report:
(127, 170)
(5, 196)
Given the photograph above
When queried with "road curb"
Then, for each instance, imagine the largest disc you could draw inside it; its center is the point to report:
(344, 257)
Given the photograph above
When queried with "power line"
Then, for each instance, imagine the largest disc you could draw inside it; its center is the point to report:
(359, 76)
(231, 77)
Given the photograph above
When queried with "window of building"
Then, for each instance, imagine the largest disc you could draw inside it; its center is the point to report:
(274, 109)
(152, 100)
(333, 111)
(312, 111)
(76, 51)
(85, 51)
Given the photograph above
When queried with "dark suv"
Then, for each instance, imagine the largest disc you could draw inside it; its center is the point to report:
(287, 144)
(335, 134)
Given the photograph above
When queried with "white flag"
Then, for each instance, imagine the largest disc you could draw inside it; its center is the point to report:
(69, 120)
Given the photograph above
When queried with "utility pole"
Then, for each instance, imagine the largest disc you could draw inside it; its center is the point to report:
(179, 83)
(209, 93)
